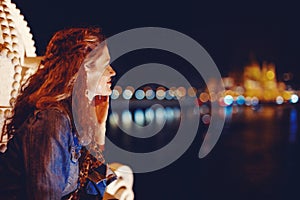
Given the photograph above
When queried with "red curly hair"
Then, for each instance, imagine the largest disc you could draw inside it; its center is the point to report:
(52, 85)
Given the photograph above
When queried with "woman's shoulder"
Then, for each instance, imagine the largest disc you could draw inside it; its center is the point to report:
(52, 115)
(51, 111)
(48, 123)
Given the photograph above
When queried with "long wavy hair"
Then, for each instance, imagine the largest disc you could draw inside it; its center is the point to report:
(52, 85)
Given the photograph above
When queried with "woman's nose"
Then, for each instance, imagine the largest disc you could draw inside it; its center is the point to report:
(111, 71)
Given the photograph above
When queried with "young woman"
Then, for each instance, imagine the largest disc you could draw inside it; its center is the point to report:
(57, 127)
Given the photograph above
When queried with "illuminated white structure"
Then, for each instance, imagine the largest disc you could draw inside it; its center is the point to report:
(16, 44)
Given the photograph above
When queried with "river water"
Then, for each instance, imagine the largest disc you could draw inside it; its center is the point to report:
(256, 157)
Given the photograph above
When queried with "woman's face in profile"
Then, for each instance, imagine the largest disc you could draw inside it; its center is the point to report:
(99, 73)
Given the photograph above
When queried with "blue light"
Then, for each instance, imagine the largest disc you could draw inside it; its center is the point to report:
(115, 94)
(139, 94)
(294, 98)
(169, 113)
(139, 117)
(150, 94)
(168, 95)
(293, 125)
(240, 100)
(228, 100)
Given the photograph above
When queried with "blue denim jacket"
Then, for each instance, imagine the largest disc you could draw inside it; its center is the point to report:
(38, 162)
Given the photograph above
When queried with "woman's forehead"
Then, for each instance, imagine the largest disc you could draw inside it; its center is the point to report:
(100, 53)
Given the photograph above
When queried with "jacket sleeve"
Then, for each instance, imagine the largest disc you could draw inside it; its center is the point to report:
(46, 148)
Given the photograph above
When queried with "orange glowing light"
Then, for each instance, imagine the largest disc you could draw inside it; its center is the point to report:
(204, 97)
(270, 75)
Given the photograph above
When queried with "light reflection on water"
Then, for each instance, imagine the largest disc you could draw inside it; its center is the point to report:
(293, 125)
(268, 120)
(256, 157)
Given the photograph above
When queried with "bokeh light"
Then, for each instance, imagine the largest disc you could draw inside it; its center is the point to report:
(160, 93)
(228, 100)
(139, 94)
(150, 94)
(294, 98)
(139, 117)
(240, 100)
(279, 100)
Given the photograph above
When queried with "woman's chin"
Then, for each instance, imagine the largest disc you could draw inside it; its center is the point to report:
(106, 93)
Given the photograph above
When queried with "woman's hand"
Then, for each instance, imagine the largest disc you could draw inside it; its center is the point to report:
(101, 109)
(122, 188)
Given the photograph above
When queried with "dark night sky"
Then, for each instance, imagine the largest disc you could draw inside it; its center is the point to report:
(229, 31)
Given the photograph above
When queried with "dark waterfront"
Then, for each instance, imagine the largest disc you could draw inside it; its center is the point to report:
(256, 157)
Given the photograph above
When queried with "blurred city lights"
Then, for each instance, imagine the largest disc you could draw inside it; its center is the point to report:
(248, 101)
(127, 94)
(160, 115)
(240, 100)
(240, 90)
(114, 119)
(118, 88)
(204, 97)
(150, 94)
(228, 100)
(149, 115)
(168, 95)
(177, 113)
(115, 94)
(126, 118)
(270, 75)
(294, 98)
(139, 117)
(139, 94)
(169, 112)
(180, 92)
(160, 93)
(254, 101)
(258, 85)
(279, 100)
